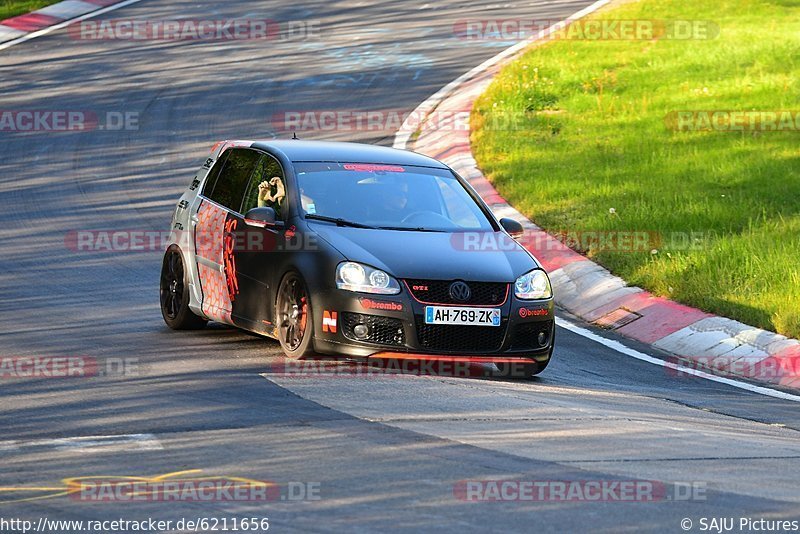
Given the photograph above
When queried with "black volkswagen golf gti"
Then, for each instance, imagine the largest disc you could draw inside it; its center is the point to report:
(354, 251)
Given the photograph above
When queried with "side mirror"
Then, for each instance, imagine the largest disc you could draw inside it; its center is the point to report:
(513, 228)
(265, 215)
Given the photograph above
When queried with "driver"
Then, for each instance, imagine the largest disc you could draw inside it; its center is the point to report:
(394, 200)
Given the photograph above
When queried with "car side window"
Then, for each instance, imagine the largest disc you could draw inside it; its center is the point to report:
(213, 174)
(234, 177)
(267, 187)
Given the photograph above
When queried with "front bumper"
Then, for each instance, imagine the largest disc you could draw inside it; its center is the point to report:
(396, 328)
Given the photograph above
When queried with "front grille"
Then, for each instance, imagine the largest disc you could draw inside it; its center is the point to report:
(438, 292)
(460, 338)
(381, 330)
(526, 336)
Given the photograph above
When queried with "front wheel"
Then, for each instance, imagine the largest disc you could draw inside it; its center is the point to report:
(175, 294)
(294, 318)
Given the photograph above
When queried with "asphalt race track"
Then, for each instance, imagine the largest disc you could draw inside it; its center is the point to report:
(384, 451)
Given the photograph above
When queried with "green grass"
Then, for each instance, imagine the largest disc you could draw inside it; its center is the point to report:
(592, 137)
(12, 8)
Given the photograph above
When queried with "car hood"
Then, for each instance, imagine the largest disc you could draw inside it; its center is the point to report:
(478, 256)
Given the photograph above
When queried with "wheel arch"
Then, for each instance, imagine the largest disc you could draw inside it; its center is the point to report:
(191, 279)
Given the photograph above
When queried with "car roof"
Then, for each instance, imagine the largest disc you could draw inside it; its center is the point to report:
(297, 150)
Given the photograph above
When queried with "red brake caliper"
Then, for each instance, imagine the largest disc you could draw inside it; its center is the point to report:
(303, 314)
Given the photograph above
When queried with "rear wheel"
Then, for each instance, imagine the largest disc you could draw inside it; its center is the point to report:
(294, 323)
(175, 294)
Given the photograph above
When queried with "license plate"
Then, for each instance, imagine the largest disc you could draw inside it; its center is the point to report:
(462, 316)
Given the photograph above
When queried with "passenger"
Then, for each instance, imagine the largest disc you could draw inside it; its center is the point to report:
(266, 199)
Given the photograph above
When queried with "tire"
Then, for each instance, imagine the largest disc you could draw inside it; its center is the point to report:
(174, 293)
(294, 318)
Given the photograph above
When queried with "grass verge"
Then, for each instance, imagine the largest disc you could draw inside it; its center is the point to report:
(12, 8)
(589, 150)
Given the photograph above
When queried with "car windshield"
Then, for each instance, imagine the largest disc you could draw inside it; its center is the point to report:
(393, 197)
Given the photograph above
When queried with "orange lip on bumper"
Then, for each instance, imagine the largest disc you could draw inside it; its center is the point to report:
(446, 358)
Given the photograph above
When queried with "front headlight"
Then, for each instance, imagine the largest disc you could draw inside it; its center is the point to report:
(532, 286)
(352, 276)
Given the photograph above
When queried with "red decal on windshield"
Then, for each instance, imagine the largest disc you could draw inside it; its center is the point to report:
(366, 167)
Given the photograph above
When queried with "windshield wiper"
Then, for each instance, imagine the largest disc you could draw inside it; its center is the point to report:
(339, 221)
(409, 229)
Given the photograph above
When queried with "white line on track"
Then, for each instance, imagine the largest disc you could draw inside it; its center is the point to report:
(125, 442)
(619, 347)
(50, 29)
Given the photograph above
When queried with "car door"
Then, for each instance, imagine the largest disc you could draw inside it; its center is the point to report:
(215, 221)
(259, 244)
